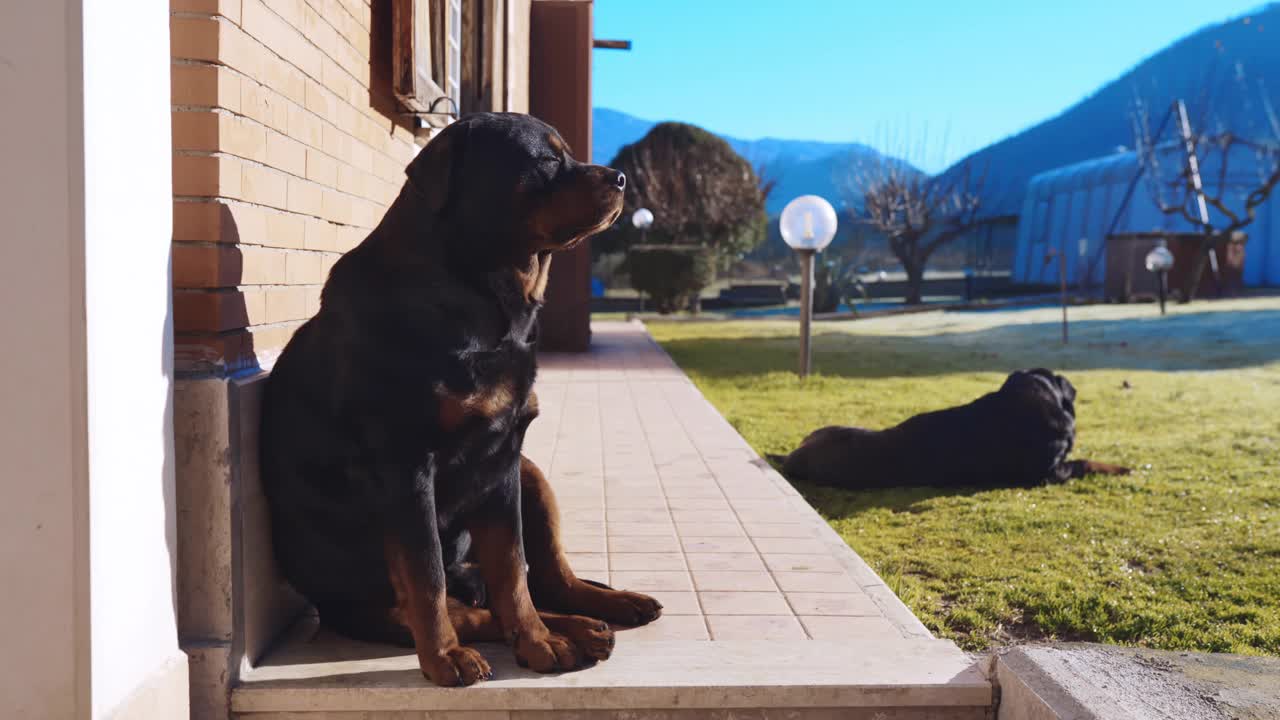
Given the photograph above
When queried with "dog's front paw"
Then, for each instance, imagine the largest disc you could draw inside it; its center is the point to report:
(593, 638)
(546, 653)
(624, 608)
(459, 665)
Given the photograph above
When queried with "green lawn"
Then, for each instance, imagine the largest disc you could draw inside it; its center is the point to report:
(1183, 554)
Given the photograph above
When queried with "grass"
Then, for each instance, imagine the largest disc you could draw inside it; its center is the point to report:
(1183, 554)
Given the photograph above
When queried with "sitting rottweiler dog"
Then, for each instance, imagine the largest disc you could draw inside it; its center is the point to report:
(393, 422)
(1018, 436)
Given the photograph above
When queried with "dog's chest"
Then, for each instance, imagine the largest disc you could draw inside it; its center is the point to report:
(495, 398)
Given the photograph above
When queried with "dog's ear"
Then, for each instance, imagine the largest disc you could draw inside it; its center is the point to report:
(431, 172)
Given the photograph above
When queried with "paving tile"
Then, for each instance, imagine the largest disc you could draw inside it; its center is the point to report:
(755, 627)
(821, 603)
(725, 562)
(667, 627)
(583, 543)
(815, 582)
(647, 561)
(827, 627)
(699, 503)
(740, 581)
(641, 528)
(643, 544)
(789, 562)
(737, 544)
(743, 603)
(784, 545)
(677, 602)
(790, 530)
(589, 561)
(710, 529)
(642, 580)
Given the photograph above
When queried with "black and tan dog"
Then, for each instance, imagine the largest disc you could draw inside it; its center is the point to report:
(393, 422)
(1017, 436)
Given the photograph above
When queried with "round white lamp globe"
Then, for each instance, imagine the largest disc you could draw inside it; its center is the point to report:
(642, 219)
(1159, 259)
(808, 223)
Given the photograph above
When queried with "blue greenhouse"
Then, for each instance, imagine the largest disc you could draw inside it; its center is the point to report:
(1069, 211)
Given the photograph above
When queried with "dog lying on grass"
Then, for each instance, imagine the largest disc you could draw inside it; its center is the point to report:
(1018, 436)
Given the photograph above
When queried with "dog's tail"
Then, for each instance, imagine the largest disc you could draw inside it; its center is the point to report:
(1081, 468)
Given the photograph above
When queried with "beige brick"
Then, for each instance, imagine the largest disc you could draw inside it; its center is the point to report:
(305, 197)
(336, 143)
(238, 50)
(321, 235)
(304, 268)
(285, 230)
(194, 38)
(264, 105)
(264, 186)
(229, 9)
(196, 221)
(242, 223)
(204, 86)
(349, 237)
(195, 130)
(206, 176)
(208, 310)
(313, 299)
(292, 11)
(321, 168)
(273, 32)
(361, 157)
(319, 100)
(305, 127)
(286, 303)
(271, 339)
(263, 266)
(286, 154)
(243, 137)
(206, 266)
(336, 207)
(326, 263)
(255, 305)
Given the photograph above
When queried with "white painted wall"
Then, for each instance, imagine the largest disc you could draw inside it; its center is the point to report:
(128, 226)
(43, 480)
(86, 484)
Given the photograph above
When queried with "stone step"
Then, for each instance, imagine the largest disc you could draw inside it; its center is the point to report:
(315, 674)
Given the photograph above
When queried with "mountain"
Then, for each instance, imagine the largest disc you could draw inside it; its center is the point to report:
(1223, 72)
(801, 167)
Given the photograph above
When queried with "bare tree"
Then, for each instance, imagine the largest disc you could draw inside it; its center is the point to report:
(1210, 172)
(918, 213)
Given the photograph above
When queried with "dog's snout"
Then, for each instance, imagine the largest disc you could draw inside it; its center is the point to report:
(620, 181)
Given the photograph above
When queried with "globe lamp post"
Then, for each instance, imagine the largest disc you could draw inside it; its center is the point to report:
(641, 219)
(807, 224)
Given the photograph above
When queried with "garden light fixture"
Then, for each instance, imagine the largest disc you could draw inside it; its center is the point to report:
(1160, 261)
(807, 224)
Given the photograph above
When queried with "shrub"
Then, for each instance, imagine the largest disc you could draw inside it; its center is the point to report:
(671, 275)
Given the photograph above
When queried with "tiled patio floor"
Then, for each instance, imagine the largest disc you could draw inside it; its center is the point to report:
(768, 614)
(660, 494)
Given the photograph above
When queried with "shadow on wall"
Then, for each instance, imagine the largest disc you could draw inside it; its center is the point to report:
(1191, 341)
(209, 314)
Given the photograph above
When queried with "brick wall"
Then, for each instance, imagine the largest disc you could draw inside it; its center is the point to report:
(288, 145)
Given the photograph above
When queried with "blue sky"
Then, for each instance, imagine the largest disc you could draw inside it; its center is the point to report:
(883, 72)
